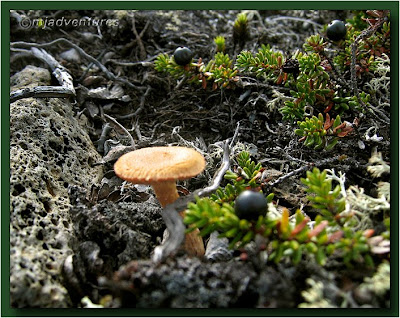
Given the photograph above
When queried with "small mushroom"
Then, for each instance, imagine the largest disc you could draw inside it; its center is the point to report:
(160, 167)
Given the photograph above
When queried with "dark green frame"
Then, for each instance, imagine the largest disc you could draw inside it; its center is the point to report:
(6, 6)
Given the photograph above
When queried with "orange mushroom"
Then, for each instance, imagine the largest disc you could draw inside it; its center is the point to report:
(160, 167)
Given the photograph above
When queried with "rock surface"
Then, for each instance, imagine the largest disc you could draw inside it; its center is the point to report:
(49, 151)
(185, 282)
(108, 235)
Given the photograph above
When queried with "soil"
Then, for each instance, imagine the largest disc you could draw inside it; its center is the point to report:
(112, 247)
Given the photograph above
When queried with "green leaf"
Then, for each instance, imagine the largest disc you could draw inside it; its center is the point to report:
(270, 197)
(330, 249)
(337, 121)
(296, 256)
(231, 233)
(311, 247)
(279, 253)
(294, 245)
(336, 191)
(189, 229)
(309, 141)
(318, 142)
(361, 248)
(193, 207)
(320, 256)
(248, 237)
(331, 143)
(208, 229)
(190, 219)
(244, 224)
(322, 238)
(229, 175)
(199, 224)
(369, 261)
(235, 240)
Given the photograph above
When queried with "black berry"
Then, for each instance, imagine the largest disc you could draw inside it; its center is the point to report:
(183, 55)
(336, 30)
(291, 66)
(250, 205)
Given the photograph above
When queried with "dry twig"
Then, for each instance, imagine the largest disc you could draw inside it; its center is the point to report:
(139, 37)
(60, 73)
(141, 106)
(115, 122)
(81, 52)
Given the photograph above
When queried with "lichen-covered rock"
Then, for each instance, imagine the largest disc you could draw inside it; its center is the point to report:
(125, 230)
(190, 282)
(184, 282)
(109, 234)
(49, 151)
(30, 76)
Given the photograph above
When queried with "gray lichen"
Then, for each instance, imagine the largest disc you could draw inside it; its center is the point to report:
(314, 296)
(379, 283)
(377, 166)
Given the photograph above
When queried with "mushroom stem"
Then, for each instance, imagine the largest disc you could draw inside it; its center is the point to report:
(193, 244)
(166, 194)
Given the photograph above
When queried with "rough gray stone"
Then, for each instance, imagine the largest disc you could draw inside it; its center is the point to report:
(189, 282)
(185, 282)
(124, 230)
(218, 248)
(49, 151)
(30, 76)
(109, 234)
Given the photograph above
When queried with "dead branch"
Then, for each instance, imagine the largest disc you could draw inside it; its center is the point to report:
(60, 73)
(141, 106)
(123, 128)
(139, 37)
(82, 53)
(41, 92)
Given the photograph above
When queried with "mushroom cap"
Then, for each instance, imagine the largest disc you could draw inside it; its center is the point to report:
(157, 164)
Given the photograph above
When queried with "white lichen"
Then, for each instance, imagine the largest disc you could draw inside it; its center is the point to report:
(341, 179)
(87, 303)
(273, 212)
(377, 166)
(365, 203)
(174, 16)
(359, 204)
(277, 101)
(374, 137)
(314, 296)
(381, 81)
(216, 150)
(384, 190)
(379, 283)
